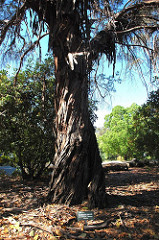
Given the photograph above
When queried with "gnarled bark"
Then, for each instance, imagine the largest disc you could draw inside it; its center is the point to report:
(77, 173)
(77, 163)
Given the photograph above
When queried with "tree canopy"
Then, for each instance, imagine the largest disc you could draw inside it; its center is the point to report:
(26, 117)
(118, 29)
(119, 134)
(146, 123)
(132, 132)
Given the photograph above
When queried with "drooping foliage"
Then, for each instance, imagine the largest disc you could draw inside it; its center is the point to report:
(119, 28)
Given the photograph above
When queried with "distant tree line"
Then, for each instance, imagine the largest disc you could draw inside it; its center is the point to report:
(131, 132)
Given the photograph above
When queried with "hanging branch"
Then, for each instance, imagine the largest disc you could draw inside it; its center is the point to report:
(137, 28)
(136, 6)
(14, 21)
(25, 53)
(135, 45)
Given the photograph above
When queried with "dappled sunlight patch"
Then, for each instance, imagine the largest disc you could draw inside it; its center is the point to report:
(132, 190)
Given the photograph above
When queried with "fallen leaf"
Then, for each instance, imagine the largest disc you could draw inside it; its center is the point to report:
(85, 208)
(82, 235)
(52, 238)
(36, 237)
(148, 231)
(123, 235)
(16, 225)
(11, 226)
(5, 230)
(157, 208)
(58, 232)
(118, 223)
(32, 233)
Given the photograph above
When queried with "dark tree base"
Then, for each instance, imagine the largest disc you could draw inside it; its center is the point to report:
(79, 175)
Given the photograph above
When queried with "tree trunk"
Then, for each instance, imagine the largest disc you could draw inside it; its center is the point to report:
(77, 173)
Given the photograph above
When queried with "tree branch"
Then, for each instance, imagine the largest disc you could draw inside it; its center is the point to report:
(25, 53)
(136, 6)
(136, 28)
(139, 69)
(135, 45)
(20, 13)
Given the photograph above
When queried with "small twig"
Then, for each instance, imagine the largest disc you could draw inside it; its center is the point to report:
(35, 225)
(76, 237)
(3, 113)
(13, 210)
(49, 229)
(20, 13)
(92, 227)
(25, 53)
(123, 224)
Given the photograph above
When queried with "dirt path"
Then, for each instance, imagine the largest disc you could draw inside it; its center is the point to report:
(133, 211)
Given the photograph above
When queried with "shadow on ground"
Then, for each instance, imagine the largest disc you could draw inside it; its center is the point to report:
(17, 196)
(136, 187)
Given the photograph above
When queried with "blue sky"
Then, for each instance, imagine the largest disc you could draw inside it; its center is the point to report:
(127, 92)
(131, 90)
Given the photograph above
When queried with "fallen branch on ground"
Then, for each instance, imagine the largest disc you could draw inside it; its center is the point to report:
(115, 166)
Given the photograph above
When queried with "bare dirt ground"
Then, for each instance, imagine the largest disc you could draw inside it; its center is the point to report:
(133, 211)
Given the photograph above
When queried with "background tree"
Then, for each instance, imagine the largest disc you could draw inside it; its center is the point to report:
(26, 120)
(146, 123)
(118, 138)
(80, 32)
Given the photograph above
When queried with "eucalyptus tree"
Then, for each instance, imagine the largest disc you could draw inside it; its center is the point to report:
(80, 32)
